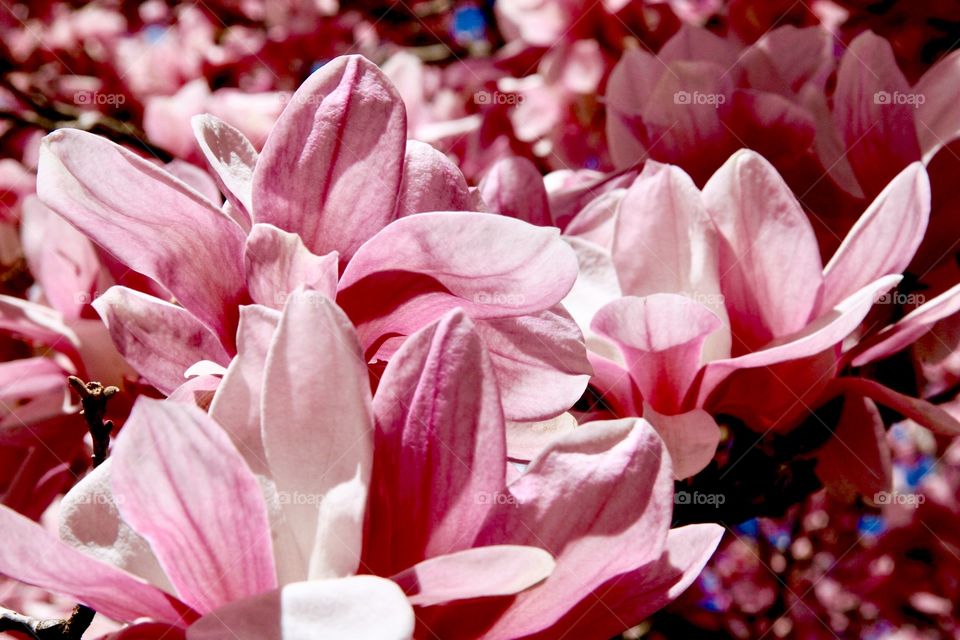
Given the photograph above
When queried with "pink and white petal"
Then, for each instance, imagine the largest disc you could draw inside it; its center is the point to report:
(596, 286)
(236, 404)
(615, 471)
(770, 263)
(630, 598)
(332, 166)
(356, 607)
(180, 483)
(938, 119)
(149, 220)
(876, 122)
(527, 439)
(661, 338)
(539, 361)
(514, 187)
(491, 266)
(827, 332)
(37, 323)
(195, 177)
(317, 428)
(497, 570)
(909, 329)
(613, 387)
(431, 182)
(691, 439)
(690, 133)
(596, 222)
(31, 554)
(665, 241)
(90, 522)
(63, 262)
(920, 411)
(160, 340)
(856, 461)
(884, 239)
(231, 157)
(441, 451)
(628, 90)
(199, 389)
(277, 262)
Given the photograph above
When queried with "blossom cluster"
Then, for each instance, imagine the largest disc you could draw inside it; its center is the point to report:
(515, 319)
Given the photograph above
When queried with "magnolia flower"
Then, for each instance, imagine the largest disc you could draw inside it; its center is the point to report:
(330, 204)
(696, 301)
(248, 522)
(440, 484)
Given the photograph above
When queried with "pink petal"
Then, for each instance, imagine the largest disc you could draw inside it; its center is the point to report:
(824, 334)
(236, 404)
(629, 598)
(332, 166)
(628, 89)
(691, 439)
(514, 187)
(149, 220)
(527, 439)
(32, 555)
(682, 118)
(196, 178)
(770, 262)
(277, 262)
(232, 159)
(920, 411)
(182, 485)
(63, 262)
(159, 339)
(856, 461)
(938, 119)
(318, 431)
(499, 570)
(491, 266)
(884, 239)
(801, 55)
(431, 182)
(665, 241)
(614, 387)
(440, 446)
(615, 472)
(877, 124)
(539, 361)
(909, 329)
(661, 337)
(357, 607)
(90, 522)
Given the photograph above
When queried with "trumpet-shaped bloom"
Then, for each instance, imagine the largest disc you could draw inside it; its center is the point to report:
(337, 201)
(248, 522)
(724, 294)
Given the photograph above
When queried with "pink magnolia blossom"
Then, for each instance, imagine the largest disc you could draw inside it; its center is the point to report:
(440, 485)
(249, 520)
(727, 295)
(327, 203)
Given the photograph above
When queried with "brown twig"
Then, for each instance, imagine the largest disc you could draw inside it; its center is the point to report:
(93, 399)
(71, 628)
